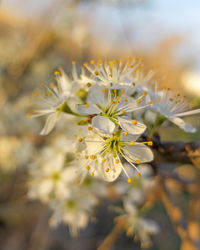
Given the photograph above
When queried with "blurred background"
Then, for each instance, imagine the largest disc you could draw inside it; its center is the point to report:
(37, 37)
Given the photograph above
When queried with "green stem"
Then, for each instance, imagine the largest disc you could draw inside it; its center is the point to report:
(66, 109)
(159, 121)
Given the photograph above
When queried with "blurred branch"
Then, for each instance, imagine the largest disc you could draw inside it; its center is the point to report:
(176, 217)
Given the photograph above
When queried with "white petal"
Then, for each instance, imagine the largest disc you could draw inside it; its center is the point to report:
(181, 124)
(97, 96)
(114, 169)
(94, 144)
(126, 125)
(92, 109)
(191, 112)
(138, 152)
(50, 123)
(104, 124)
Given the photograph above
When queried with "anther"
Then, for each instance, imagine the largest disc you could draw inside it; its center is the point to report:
(138, 101)
(138, 173)
(92, 174)
(87, 105)
(56, 73)
(80, 139)
(134, 122)
(123, 112)
(87, 167)
(107, 170)
(104, 160)
(129, 180)
(29, 115)
(92, 61)
(96, 73)
(36, 94)
(89, 127)
(126, 133)
(117, 161)
(92, 157)
(86, 156)
(149, 102)
(150, 143)
(133, 83)
(131, 143)
(145, 93)
(105, 90)
(73, 62)
(138, 162)
(89, 84)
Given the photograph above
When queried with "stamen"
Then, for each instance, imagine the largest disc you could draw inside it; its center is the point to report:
(80, 139)
(29, 115)
(96, 73)
(35, 94)
(86, 156)
(92, 61)
(73, 62)
(139, 174)
(145, 93)
(92, 174)
(29, 101)
(87, 105)
(107, 170)
(56, 73)
(117, 161)
(105, 90)
(150, 102)
(104, 160)
(133, 83)
(126, 133)
(123, 112)
(131, 143)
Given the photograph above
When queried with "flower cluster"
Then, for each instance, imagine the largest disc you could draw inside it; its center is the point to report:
(110, 103)
(111, 99)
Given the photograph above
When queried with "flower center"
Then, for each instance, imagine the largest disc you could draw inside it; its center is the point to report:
(113, 144)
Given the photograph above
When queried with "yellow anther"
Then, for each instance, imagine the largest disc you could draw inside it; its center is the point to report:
(145, 93)
(29, 101)
(51, 85)
(87, 105)
(117, 101)
(125, 100)
(112, 102)
(104, 160)
(138, 173)
(36, 94)
(89, 84)
(110, 75)
(150, 143)
(129, 180)
(105, 90)
(117, 161)
(107, 150)
(92, 157)
(92, 61)
(89, 127)
(73, 62)
(92, 174)
(107, 170)
(123, 112)
(133, 83)
(96, 73)
(111, 84)
(126, 133)
(85, 64)
(138, 101)
(29, 115)
(123, 92)
(80, 139)
(86, 157)
(115, 91)
(114, 133)
(56, 73)
(87, 167)
(111, 94)
(131, 66)
(131, 143)
(134, 122)
(149, 102)
(138, 162)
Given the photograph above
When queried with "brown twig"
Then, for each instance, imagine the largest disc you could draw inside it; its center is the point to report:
(113, 235)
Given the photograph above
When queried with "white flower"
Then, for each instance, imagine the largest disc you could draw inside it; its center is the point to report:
(111, 108)
(74, 209)
(54, 172)
(54, 103)
(104, 152)
(116, 74)
(173, 107)
(137, 226)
